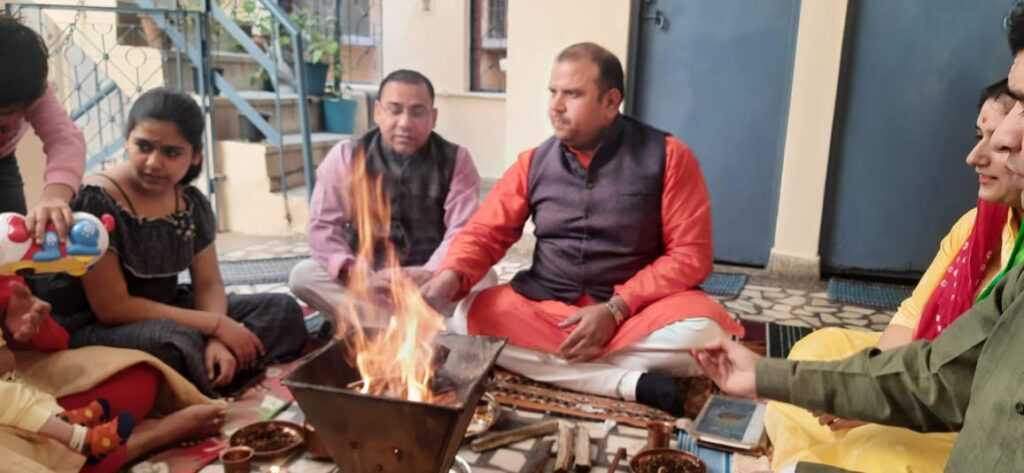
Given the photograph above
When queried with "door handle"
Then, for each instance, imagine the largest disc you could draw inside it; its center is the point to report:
(658, 17)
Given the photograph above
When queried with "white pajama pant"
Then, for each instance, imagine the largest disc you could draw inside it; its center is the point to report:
(311, 283)
(614, 375)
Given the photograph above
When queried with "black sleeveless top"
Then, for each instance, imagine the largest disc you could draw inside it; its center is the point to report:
(153, 250)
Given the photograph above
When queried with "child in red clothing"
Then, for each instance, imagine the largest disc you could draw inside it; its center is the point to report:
(89, 429)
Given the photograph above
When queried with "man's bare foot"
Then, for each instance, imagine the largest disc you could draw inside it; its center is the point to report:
(191, 423)
(25, 313)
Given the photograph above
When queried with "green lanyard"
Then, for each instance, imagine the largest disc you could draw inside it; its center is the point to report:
(1016, 257)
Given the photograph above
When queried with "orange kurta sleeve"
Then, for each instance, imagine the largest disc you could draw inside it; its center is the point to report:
(686, 232)
(495, 227)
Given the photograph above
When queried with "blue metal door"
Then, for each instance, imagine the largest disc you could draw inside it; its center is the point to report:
(911, 75)
(716, 74)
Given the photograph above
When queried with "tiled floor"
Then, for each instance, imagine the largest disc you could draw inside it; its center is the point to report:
(765, 298)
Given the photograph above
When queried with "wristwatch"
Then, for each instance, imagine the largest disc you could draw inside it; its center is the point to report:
(617, 314)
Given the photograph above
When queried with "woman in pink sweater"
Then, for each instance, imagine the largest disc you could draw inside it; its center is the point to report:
(26, 100)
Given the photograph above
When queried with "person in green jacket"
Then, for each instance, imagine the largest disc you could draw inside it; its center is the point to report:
(969, 379)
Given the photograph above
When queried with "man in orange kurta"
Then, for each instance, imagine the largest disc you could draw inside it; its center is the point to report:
(623, 227)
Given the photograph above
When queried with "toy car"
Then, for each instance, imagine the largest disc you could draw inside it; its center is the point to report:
(21, 255)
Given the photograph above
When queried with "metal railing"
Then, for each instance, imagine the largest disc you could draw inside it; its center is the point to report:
(99, 65)
(270, 60)
(102, 58)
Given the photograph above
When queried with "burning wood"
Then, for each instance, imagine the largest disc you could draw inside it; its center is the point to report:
(399, 360)
(442, 389)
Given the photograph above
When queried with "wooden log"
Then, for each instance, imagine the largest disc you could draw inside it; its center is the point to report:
(500, 439)
(566, 441)
(619, 455)
(582, 450)
(538, 457)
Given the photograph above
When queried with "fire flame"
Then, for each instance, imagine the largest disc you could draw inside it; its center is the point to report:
(396, 360)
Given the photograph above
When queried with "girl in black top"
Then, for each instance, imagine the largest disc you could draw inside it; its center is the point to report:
(163, 227)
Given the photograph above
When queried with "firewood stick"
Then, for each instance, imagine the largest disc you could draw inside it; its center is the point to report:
(563, 460)
(619, 455)
(508, 437)
(538, 457)
(582, 449)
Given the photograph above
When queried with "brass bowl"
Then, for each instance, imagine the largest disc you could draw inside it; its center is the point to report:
(487, 413)
(270, 439)
(668, 460)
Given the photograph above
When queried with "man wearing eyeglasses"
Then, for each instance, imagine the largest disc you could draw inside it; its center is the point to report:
(432, 185)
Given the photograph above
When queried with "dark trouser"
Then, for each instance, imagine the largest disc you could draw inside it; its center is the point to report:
(12, 189)
(275, 319)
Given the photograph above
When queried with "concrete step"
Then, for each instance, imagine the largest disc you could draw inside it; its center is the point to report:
(237, 69)
(322, 143)
(250, 197)
(227, 118)
(238, 160)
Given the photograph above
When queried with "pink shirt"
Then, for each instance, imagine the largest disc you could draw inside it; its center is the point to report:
(330, 210)
(63, 142)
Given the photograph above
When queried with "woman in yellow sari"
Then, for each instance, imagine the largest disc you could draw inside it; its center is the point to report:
(968, 263)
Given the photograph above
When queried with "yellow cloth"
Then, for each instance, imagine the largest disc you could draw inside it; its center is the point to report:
(795, 432)
(73, 371)
(797, 436)
(27, 452)
(25, 407)
(22, 405)
(910, 310)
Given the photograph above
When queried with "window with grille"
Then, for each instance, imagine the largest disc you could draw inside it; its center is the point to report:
(489, 45)
(360, 35)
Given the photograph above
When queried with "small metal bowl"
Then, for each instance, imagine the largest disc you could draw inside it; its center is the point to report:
(670, 460)
(487, 413)
(270, 439)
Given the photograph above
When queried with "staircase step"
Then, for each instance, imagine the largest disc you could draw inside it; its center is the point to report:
(227, 117)
(237, 69)
(239, 166)
(251, 198)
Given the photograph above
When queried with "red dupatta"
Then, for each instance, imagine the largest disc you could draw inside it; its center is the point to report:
(955, 293)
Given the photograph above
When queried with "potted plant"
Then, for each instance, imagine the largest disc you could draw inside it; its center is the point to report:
(339, 108)
(321, 47)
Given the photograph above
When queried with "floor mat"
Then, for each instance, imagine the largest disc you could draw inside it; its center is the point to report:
(515, 390)
(724, 284)
(253, 271)
(771, 339)
(867, 294)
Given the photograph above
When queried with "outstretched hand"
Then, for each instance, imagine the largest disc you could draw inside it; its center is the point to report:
(730, 365)
(25, 313)
(440, 289)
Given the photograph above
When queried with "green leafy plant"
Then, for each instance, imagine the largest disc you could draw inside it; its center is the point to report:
(320, 42)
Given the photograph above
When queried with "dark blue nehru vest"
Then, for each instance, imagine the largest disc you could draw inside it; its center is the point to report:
(596, 226)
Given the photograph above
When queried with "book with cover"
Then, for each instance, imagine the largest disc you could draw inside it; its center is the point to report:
(730, 422)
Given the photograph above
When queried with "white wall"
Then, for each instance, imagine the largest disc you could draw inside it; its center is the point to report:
(436, 43)
(538, 31)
